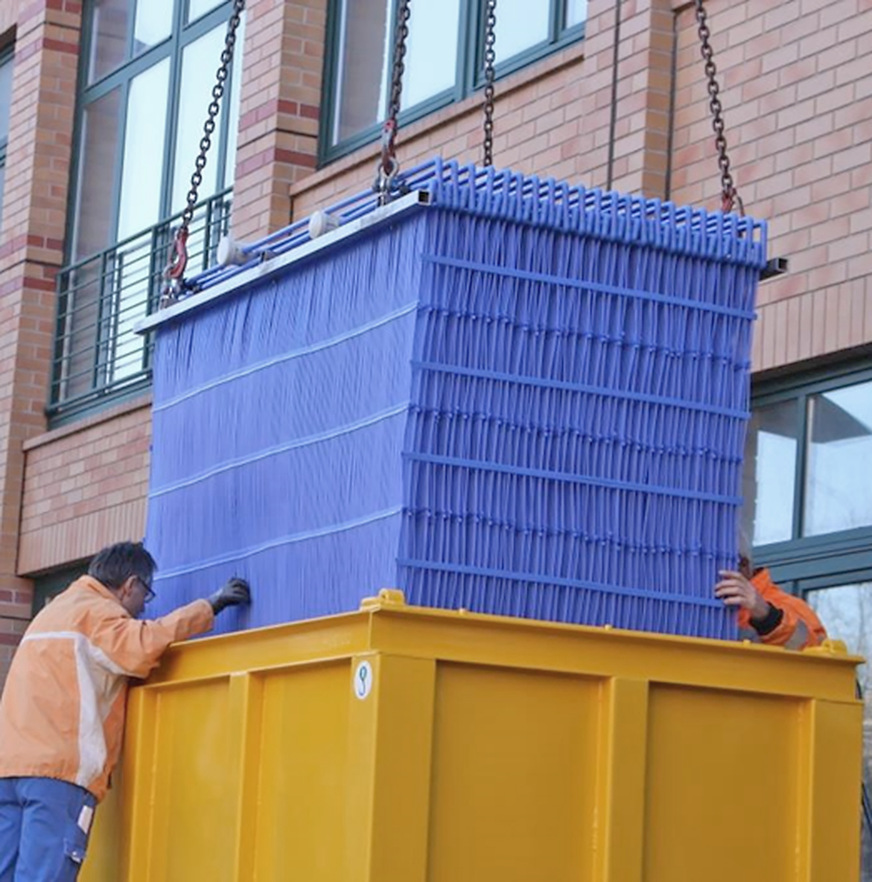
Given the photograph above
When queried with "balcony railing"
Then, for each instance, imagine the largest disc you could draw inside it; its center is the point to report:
(98, 358)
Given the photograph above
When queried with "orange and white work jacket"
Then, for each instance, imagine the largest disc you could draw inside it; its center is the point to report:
(799, 626)
(62, 710)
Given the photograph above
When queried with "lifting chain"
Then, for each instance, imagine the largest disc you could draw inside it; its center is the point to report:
(490, 56)
(175, 271)
(388, 165)
(729, 195)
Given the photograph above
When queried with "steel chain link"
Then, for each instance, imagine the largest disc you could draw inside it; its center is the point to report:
(178, 261)
(729, 194)
(213, 110)
(490, 56)
(388, 165)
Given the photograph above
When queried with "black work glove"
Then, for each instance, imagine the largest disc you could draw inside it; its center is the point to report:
(234, 592)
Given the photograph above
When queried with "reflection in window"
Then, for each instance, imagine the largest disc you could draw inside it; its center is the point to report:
(153, 23)
(198, 75)
(839, 451)
(770, 472)
(95, 213)
(231, 102)
(99, 140)
(110, 21)
(520, 25)
(576, 12)
(143, 140)
(846, 612)
(361, 73)
(431, 59)
(139, 207)
(200, 7)
(443, 57)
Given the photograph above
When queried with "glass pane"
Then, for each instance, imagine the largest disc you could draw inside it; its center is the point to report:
(144, 138)
(361, 74)
(838, 490)
(201, 7)
(98, 152)
(154, 22)
(123, 348)
(233, 107)
(431, 50)
(139, 207)
(110, 26)
(520, 25)
(576, 13)
(770, 473)
(2, 183)
(5, 96)
(199, 63)
(80, 316)
(846, 612)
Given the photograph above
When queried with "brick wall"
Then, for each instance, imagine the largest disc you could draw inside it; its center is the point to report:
(553, 117)
(85, 487)
(278, 122)
(797, 88)
(31, 241)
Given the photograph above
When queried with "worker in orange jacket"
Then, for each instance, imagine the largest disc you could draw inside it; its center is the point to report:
(62, 709)
(766, 613)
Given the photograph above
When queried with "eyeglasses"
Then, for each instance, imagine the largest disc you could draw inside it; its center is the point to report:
(146, 590)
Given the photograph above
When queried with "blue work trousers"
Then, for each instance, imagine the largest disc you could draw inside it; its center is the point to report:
(44, 827)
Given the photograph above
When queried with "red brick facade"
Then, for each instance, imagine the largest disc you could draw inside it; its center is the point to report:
(797, 92)
(46, 39)
(797, 84)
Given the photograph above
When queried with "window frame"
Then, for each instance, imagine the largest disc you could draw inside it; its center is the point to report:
(47, 585)
(468, 78)
(804, 563)
(101, 352)
(171, 47)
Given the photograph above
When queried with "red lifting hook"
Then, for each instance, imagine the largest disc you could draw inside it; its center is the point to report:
(176, 268)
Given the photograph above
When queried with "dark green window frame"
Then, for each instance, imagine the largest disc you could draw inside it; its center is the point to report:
(812, 566)
(468, 73)
(111, 278)
(172, 47)
(48, 585)
(805, 563)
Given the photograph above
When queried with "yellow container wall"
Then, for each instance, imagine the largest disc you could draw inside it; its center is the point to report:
(514, 761)
(702, 744)
(301, 793)
(407, 745)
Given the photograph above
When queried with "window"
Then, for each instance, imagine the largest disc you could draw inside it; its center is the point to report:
(5, 102)
(808, 485)
(145, 82)
(808, 508)
(846, 611)
(47, 586)
(443, 61)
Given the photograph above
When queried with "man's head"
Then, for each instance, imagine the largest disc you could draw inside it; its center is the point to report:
(746, 562)
(127, 570)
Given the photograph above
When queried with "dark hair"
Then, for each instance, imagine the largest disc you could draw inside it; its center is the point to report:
(114, 565)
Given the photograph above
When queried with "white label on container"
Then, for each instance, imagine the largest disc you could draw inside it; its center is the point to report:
(363, 680)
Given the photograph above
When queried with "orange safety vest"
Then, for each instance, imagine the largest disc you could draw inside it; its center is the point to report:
(62, 709)
(799, 626)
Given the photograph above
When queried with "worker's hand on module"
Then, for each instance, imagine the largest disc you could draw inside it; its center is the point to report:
(234, 592)
(734, 589)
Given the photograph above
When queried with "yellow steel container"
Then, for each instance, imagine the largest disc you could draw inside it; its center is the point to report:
(399, 744)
